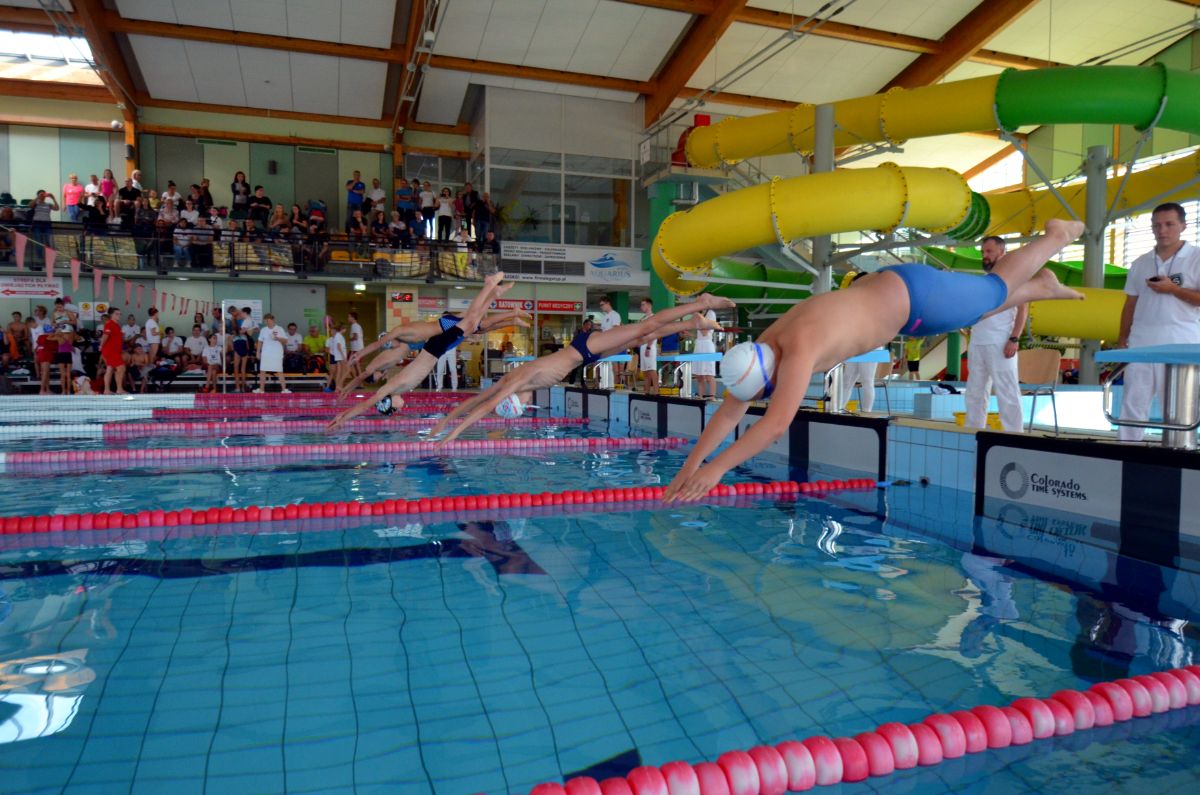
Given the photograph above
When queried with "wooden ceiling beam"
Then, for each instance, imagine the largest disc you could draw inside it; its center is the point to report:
(27, 20)
(147, 101)
(693, 48)
(892, 41)
(45, 89)
(462, 128)
(961, 42)
(535, 73)
(110, 65)
(988, 162)
(329, 143)
(406, 108)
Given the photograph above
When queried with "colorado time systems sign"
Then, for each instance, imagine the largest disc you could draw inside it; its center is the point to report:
(1069, 483)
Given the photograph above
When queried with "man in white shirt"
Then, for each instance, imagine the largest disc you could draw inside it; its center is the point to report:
(131, 329)
(992, 358)
(293, 361)
(609, 319)
(194, 345)
(171, 195)
(377, 195)
(355, 342)
(1162, 307)
(648, 356)
(91, 190)
(171, 345)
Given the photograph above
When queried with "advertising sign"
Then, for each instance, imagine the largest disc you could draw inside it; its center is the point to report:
(35, 287)
(1067, 483)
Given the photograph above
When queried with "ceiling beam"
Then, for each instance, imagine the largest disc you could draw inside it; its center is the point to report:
(462, 128)
(988, 162)
(46, 89)
(119, 24)
(147, 101)
(702, 7)
(535, 73)
(693, 48)
(26, 20)
(329, 143)
(405, 109)
(892, 41)
(110, 65)
(962, 41)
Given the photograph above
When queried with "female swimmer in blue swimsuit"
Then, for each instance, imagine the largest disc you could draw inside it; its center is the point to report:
(829, 328)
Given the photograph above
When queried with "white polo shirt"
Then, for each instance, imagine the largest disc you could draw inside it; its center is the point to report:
(994, 330)
(609, 320)
(1160, 319)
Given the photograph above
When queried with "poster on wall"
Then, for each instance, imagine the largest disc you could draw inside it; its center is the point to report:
(601, 265)
(31, 287)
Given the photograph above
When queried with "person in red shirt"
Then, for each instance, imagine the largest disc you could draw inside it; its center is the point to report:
(110, 351)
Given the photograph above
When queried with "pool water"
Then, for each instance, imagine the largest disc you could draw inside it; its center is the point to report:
(459, 657)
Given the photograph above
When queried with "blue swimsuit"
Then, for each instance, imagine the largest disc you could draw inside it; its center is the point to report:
(579, 343)
(942, 301)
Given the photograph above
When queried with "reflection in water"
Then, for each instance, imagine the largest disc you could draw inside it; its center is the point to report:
(40, 696)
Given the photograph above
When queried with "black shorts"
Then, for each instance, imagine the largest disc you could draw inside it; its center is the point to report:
(914, 367)
(62, 358)
(439, 344)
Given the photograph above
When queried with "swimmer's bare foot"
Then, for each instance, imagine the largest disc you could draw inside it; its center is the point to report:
(710, 301)
(504, 288)
(1050, 288)
(493, 279)
(1068, 230)
(517, 321)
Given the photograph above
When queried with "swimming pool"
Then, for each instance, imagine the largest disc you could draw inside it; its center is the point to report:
(491, 655)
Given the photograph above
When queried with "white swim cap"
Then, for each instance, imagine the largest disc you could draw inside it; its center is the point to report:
(746, 370)
(511, 407)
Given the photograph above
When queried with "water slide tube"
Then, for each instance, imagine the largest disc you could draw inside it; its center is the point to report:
(933, 200)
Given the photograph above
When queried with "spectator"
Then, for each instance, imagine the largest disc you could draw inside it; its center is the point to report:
(215, 221)
(398, 234)
(1162, 307)
(131, 329)
(489, 244)
(483, 213)
(279, 219)
(91, 190)
(153, 338)
(171, 345)
(72, 194)
(428, 201)
(63, 313)
(39, 339)
(648, 355)
(18, 337)
(316, 244)
(193, 346)
(206, 197)
(152, 200)
(212, 361)
(380, 233)
(241, 350)
(196, 199)
(417, 227)
(202, 244)
(357, 231)
(376, 197)
(137, 179)
(240, 189)
(128, 196)
(912, 355)
(183, 244)
(355, 192)
(114, 221)
(260, 207)
(445, 215)
(63, 338)
(168, 215)
(470, 199)
(190, 212)
(215, 322)
(405, 201)
(108, 185)
(39, 222)
(335, 347)
(355, 342)
(95, 216)
(313, 343)
(171, 195)
(293, 357)
(297, 217)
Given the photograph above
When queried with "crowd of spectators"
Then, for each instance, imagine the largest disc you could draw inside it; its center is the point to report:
(124, 356)
(187, 226)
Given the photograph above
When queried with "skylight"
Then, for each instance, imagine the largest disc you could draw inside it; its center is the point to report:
(40, 56)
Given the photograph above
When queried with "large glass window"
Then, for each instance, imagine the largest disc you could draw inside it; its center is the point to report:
(595, 211)
(422, 167)
(525, 158)
(528, 205)
(589, 164)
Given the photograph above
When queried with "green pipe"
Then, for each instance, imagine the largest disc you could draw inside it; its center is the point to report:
(1069, 273)
(725, 268)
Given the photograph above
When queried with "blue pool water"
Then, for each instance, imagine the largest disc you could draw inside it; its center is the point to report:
(458, 657)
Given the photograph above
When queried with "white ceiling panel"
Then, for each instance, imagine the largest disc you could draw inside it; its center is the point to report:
(315, 83)
(461, 28)
(957, 152)
(1072, 31)
(442, 96)
(164, 68)
(812, 70)
(648, 44)
(66, 4)
(362, 85)
(560, 30)
(510, 29)
(365, 22)
(267, 76)
(217, 77)
(607, 35)
(926, 18)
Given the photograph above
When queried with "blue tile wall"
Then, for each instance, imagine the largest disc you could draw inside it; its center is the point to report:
(943, 458)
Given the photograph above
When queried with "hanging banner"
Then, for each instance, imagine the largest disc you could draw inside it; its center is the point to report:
(19, 241)
(74, 274)
(112, 283)
(51, 256)
(34, 287)
(97, 275)
(139, 296)
(128, 291)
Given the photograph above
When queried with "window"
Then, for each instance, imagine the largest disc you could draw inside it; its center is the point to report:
(524, 158)
(528, 205)
(596, 211)
(612, 166)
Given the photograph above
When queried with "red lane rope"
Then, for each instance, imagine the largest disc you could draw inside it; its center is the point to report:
(216, 399)
(120, 431)
(84, 460)
(326, 408)
(798, 766)
(425, 506)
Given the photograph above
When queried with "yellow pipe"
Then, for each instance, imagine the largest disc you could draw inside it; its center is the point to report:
(934, 199)
(1097, 318)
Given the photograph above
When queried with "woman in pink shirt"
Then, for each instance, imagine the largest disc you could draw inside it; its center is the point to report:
(71, 193)
(108, 185)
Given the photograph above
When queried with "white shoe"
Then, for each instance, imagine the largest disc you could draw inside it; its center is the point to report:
(258, 391)
(285, 391)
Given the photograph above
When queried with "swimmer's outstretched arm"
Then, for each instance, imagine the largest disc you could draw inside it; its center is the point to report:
(378, 364)
(543, 372)
(403, 381)
(409, 332)
(694, 481)
(500, 320)
(465, 406)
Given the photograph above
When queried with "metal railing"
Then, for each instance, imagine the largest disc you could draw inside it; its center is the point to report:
(154, 251)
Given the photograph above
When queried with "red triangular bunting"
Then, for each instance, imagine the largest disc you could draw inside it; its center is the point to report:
(96, 277)
(139, 296)
(112, 282)
(74, 274)
(51, 256)
(19, 241)
(128, 291)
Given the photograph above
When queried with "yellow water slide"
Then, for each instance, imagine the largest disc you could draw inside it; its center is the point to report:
(933, 200)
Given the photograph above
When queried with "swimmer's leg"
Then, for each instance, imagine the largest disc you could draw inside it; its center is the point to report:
(1018, 267)
(1044, 286)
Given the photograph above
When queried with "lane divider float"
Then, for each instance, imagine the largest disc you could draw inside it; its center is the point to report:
(324, 408)
(120, 431)
(59, 461)
(793, 766)
(434, 507)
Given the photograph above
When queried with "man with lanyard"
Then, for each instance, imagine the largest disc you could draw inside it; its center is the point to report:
(1162, 306)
